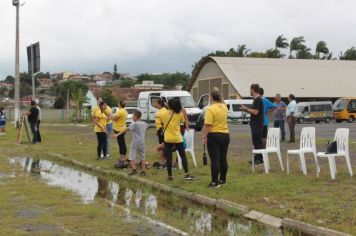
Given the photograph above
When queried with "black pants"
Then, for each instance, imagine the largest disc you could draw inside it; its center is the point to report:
(218, 144)
(33, 126)
(102, 145)
(39, 139)
(168, 155)
(291, 124)
(122, 144)
(256, 133)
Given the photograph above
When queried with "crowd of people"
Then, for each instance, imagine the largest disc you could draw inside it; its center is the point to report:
(171, 122)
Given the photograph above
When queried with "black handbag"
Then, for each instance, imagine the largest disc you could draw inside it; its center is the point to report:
(331, 148)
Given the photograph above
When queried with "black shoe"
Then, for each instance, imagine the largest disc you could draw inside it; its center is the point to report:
(189, 177)
(214, 185)
(221, 182)
(133, 172)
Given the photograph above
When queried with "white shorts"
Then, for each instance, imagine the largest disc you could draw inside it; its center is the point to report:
(137, 152)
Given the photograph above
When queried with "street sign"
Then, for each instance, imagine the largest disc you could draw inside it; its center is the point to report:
(33, 58)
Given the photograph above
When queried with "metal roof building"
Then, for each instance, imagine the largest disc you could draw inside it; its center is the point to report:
(308, 79)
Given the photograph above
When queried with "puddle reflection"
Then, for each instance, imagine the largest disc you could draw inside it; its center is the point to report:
(192, 217)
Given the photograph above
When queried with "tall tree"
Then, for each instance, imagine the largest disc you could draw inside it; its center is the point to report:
(242, 50)
(281, 42)
(350, 54)
(321, 48)
(79, 99)
(296, 44)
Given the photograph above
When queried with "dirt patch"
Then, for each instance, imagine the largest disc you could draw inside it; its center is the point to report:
(44, 228)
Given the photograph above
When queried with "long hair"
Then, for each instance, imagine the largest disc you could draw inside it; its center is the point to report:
(175, 105)
(161, 102)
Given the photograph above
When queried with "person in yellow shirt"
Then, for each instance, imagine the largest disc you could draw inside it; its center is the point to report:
(216, 137)
(171, 120)
(119, 124)
(108, 113)
(161, 105)
(100, 119)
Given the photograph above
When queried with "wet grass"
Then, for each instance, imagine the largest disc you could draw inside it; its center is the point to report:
(320, 201)
(29, 206)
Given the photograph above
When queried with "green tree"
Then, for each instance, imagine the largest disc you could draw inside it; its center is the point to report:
(281, 42)
(127, 83)
(242, 51)
(321, 48)
(10, 79)
(79, 99)
(304, 53)
(68, 87)
(350, 54)
(109, 98)
(296, 44)
(3, 91)
(257, 55)
(40, 75)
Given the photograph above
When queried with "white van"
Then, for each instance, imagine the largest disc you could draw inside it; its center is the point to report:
(147, 103)
(234, 114)
(314, 111)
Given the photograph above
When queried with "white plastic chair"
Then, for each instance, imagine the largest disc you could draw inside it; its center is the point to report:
(307, 145)
(272, 146)
(189, 140)
(342, 140)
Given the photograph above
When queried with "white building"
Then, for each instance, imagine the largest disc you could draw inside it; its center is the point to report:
(148, 85)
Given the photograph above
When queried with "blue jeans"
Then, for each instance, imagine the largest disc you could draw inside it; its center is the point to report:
(109, 129)
(280, 124)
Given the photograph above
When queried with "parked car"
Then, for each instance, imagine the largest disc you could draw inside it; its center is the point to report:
(147, 103)
(345, 109)
(234, 112)
(314, 112)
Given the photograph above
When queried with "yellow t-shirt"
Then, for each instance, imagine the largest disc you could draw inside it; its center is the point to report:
(216, 116)
(172, 131)
(120, 123)
(107, 111)
(158, 118)
(101, 120)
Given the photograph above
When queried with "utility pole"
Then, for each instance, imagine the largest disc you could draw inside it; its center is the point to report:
(33, 74)
(16, 3)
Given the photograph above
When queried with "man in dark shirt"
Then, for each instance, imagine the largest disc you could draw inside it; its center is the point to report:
(33, 120)
(256, 121)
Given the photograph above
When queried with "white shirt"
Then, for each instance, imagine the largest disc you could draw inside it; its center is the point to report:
(39, 113)
(292, 107)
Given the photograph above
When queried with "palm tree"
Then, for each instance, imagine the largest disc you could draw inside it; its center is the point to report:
(321, 48)
(79, 99)
(281, 42)
(242, 50)
(296, 44)
(304, 53)
(350, 54)
(274, 53)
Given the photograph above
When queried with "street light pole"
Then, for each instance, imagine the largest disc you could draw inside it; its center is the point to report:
(16, 3)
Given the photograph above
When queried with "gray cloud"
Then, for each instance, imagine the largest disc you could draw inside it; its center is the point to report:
(160, 35)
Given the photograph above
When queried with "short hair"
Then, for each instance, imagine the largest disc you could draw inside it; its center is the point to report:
(138, 114)
(161, 102)
(262, 91)
(122, 104)
(255, 88)
(278, 95)
(291, 96)
(33, 103)
(215, 95)
(102, 103)
(175, 105)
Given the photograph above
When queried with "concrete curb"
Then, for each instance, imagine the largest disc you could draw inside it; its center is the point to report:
(221, 204)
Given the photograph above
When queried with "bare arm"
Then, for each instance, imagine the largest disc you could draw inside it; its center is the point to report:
(249, 110)
(121, 132)
(205, 131)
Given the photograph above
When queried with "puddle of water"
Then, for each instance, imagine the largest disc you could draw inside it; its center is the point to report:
(139, 200)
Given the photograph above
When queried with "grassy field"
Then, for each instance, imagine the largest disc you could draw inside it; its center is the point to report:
(320, 201)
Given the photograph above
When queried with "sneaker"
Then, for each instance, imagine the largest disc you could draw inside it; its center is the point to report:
(214, 185)
(221, 182)
(143, 173)
(133, 172)
(107, 157)
(99, 158)
(189, 177)
(102, 155)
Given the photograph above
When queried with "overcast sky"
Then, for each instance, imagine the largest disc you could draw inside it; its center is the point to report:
(164, 35)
